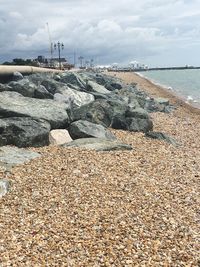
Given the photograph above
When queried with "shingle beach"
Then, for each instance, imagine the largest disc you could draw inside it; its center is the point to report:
(75, 207)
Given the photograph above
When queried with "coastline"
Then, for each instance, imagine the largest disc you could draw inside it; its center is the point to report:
(156, 90)
(76, 207)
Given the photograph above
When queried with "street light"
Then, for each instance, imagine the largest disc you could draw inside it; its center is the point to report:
(59, 46)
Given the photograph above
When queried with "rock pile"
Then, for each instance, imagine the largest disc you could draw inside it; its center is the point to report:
(85, 104)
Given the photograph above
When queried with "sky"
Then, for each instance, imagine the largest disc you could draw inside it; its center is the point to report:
(156, 33)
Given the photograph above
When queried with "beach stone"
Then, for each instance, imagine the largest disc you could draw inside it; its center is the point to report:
(4, 187)
(97, 88)
(24, 132)
(13, 104)
(59, 136)
(85, 129)
(11, 156)
(98, 144)
(163, 137)
(137, 113)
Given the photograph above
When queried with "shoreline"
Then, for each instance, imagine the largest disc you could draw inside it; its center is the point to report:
(156, 90)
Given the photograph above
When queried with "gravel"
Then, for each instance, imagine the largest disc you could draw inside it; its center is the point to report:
(75, 207)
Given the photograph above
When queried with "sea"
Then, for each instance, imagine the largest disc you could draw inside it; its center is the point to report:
(184, 83)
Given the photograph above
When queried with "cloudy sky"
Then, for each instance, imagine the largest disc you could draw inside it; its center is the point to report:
(154, 32)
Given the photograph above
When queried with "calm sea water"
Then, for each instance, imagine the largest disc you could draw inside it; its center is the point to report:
(185, 83)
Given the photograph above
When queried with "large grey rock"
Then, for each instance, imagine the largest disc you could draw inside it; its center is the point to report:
(100, 111)
(136, 120)
(95, 87)
(4, 187)
(11, 156)
(24, 87)
(17, 76)
(98, 144)
(163, 137)
(42, 93)
(77, 98)
(85, 129)
(24, 132)
(74, 79)
(13, 104)
(139, 124)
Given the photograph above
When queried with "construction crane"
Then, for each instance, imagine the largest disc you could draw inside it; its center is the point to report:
(50, 43)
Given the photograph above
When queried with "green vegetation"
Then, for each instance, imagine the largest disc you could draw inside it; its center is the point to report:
(21, 62)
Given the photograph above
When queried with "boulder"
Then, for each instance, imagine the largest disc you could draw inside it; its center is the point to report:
(74, 79)
(24, 87)
(163, 137)
(11, 156)
(78, 99)
(13, 104)
(95, 87)
(17, 76)
(4, 187)
(42, 93)
(139, 124)
(136, 120)
(99, 112)
(85, 129)
(98, 144)
(59, 137)
(24, 132)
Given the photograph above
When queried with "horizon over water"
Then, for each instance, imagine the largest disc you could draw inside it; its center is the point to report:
(184, 83)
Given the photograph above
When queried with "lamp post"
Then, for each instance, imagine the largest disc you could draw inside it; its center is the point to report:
(59, 46)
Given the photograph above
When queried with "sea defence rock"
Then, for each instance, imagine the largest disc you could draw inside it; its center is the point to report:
(92, 86)
(73, 80)
(11, 156)
(77, 98)
(163, 137)
(13, 104)
(86, 129)
(24, 132)
(98, 144)
(59, 137)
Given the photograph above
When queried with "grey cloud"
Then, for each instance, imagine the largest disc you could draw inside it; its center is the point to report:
(144, 30)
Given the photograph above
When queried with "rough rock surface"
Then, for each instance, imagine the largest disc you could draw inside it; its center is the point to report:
(95, 87)
(85, 129)
(163, 137)
(24, 132)
(11, 156)
(98, 144)
(77, 98)
(59, 137)
(13, 104)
